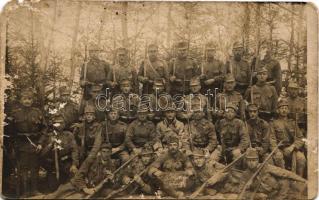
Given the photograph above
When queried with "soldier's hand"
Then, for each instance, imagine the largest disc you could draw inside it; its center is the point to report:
(73, 169)
(138, 179)
(157, 173)
(172, 78)
(116, 149)
(89, 191)
(126, 180)
(39, 148)
(287, 151)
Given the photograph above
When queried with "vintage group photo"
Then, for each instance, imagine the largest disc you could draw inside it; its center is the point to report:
(156, 100)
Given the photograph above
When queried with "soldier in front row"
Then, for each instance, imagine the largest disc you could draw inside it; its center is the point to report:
(290, 153)
(152, 68)
(28, 131)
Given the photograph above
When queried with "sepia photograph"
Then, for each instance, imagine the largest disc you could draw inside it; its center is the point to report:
(158, 100)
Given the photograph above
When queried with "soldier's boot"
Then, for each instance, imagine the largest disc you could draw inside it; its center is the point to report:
(301, 163)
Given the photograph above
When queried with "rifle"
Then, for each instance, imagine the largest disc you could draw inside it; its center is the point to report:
(215, 177)
(101, 184)
(190, 134)
(294, 158)
(86, 60)
(56, 158)
(240, 196)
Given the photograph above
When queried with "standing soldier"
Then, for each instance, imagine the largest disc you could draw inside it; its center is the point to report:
(181, 70)
(88, 134)
(28, 130)
(172, 170)
(212, 70)
(141, 132)
(297, 107)
(152, 68)
(60, 155)
(233, 133)
(94, 72)
(263, 94)
(169, 125)
(126, 102)
(195, 101)
(114, 132)
(259, 132)
(287, 131)
(122, 70)
(158, 100)
(273, 69)
(239, 68)
(68, 108)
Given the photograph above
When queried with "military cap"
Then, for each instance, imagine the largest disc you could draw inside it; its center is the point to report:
(89, 109)
(170, 137)
(252, 106)
(122, 49)
(159, 82)
(232, 106)
(28, 92)
(96, 88)
(58, 117)
(105, 145)
(94, 47)
(171, 107)
(152, 45)
(64, 90)
(198, 153)
(261, 69)
(210, 46)
(182, 45)
(143, 108)
(282, 102)
(147, 150)
(237, 45)
(125, 82)
(251, 153)
(194, 82)
(293, 84)
(229, 78)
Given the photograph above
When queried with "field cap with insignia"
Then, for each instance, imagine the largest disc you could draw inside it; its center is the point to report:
(28, 92)
(229, 78)
(237, 45)
(105, 145)
(89, 109)
(210, 46)
(252, 106)
(64, 90)
(293, 84)
(262, 69)
(143, 108)
(159, 82)
(251, 153)
(125, 82)
(282, 102)
(194, 82)
(232, 106)
(182, 45)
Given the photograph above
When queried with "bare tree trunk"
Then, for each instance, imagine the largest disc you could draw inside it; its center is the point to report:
(246, 27)
(258, 24)
(169, 26)
(74, 40)
(124, 24)
(291, 43)
(102, 21)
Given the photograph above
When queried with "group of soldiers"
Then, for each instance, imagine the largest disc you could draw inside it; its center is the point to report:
(197, 129)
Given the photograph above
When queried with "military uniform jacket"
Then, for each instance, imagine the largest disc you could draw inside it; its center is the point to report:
(68, 150)
(285, 130)
(127, 104)
(213, 69)
(163, 127)
(153, 70)
(274, 72)
(264, 95)
(92, 172)
(298, 105)
(233, 97)
(28, 122)
(234, 134)
(115, 133)
(119, 73)
(97, 71)
(202, 133)
(140, 133)
(195, 102)
(70, 112)
(259, 132)
(157, 103)
(207, 171)
(240, 70)
(89, 139)
(184, 70)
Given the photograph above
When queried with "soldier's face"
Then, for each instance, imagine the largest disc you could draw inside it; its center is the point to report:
(142, 116)
(89, 117)
(152, 53)
(105, 153)
(195, 88)
(170, 115)
(293, 92)
(122, 56)
(182, 53)
(229, 86)
(253, 114)
(230, 114)
(283, 111)
(113, 115)
(146, 159)
(26, 101)
(252, 163)
(210, 53)
(262, 76)
(126, 89)
(172, 147)
(94, 54)
(199, 161)
(238, 52)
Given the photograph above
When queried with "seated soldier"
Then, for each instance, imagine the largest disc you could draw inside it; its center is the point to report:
(91, 173)
(172, 170)
(114, 132)
(140, 132)
(60, 149)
